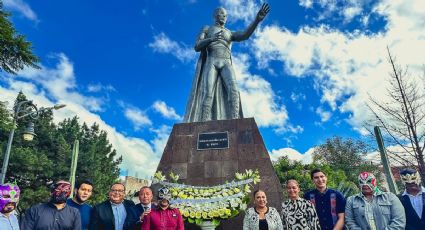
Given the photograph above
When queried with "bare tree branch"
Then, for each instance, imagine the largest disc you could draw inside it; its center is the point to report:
(403, 115)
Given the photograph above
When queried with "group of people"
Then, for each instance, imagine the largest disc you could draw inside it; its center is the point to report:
(326, 208)
(321, 208)
(116, 213)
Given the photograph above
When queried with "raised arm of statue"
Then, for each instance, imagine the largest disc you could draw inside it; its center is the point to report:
(243, 35)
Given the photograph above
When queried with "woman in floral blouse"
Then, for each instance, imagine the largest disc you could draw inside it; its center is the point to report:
(261, 217)
(298, 213)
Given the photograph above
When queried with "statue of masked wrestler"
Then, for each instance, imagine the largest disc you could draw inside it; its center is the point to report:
(215, 94)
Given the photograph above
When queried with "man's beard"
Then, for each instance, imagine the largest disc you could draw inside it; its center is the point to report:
(59, 199)
(8, 210)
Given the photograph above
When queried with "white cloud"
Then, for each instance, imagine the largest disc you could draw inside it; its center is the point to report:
(163, 44)
(350, 12)
(138, 155)
(347, 9)
(297, 97)
(166, 111)
(162, 135)
(98, 87)
(137, 117)
(289, 128)
(21, 7)
(396, 155)
(292, 154)
(306, 3)
(348, 67)
(244, 10)
(324, 115)
(58, 82)
(257, 96)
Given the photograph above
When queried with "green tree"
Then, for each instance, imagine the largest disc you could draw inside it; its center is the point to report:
(34, 165)
(5, 125)
(6, 121)
(97, 159)
(15, 51)
(347, 155)
(287, 169)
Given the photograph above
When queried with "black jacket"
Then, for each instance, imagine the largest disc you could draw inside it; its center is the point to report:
(133, 218)
(47, 216)
(413, 222)
(102, 217)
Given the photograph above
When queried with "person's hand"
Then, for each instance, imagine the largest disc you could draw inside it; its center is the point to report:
(217, 36)
(145, 213)
(265, 8)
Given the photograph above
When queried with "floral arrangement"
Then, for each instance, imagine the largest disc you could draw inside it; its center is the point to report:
(210, 203)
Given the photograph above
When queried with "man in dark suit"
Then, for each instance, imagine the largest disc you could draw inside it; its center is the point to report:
(413, 199)
(112, 214)
(142, 209)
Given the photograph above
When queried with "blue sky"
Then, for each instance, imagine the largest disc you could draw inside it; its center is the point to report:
(305, 75)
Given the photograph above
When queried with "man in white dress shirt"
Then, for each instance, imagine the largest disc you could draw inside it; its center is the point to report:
(413, 199)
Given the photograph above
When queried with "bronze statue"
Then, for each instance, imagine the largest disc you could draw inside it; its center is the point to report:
(214, 94)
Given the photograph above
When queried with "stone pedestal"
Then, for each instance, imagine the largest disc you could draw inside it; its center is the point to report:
(216, 166)
(207, 225)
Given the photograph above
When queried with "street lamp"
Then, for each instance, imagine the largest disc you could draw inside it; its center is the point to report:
(21, 110)
(29, 133)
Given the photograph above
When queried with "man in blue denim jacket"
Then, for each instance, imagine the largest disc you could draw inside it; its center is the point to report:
(373, 209)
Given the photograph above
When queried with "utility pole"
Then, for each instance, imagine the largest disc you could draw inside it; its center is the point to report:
(74, 163)
(387, 169)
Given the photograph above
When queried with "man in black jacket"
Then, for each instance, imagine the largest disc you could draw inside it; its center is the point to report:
(55, 214)
(112, 214)
(413, 199)
(142, 209)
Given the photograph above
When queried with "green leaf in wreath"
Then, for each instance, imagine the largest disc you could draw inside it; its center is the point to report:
(191, 220)
(234, 213)
(216, 222)
(198, 221)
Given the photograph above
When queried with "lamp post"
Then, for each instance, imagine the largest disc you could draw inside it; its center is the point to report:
(21, 110)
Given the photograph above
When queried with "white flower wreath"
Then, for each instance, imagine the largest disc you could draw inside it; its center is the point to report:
(210, 203)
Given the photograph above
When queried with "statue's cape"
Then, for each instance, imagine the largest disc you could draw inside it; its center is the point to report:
(220, 106)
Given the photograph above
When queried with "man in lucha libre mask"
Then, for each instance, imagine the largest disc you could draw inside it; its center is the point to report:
(9, 198)
(413, 199)
(54, 214)
(372, 208)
